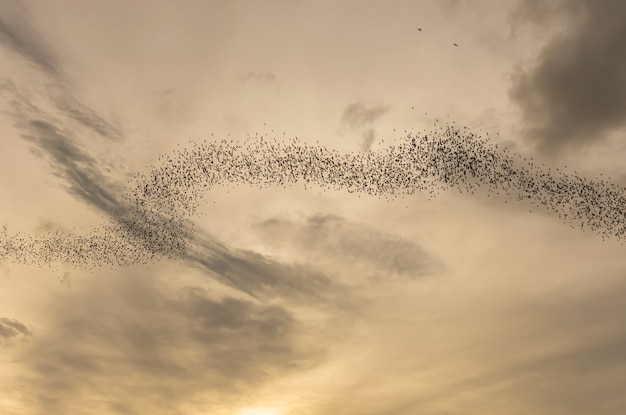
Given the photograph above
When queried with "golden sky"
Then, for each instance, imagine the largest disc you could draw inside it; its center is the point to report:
(297, 300)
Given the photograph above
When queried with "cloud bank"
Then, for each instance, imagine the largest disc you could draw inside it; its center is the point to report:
(575, 95)
(140, 346)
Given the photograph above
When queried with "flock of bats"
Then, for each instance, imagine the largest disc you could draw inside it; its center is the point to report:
(156, 218)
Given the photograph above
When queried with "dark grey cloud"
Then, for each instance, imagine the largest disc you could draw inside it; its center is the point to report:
(20, 37)
(70, 163)
(12, 329)
(360, 117)
(544, 14)
(140, 345)
(56, 143)
(263, 277)
(84, 176)
(87, 117)
(332, 239)
(358, 114)
(575, 95)
(369, 136)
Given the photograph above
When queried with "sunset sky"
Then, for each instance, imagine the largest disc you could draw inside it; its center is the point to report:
(319, 301)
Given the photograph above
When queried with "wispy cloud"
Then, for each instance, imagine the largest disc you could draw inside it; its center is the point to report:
(74, 109)
(70, 163)
(328, 239)
(21, 38)
(358, 114)
(12, 329)
(263, 277)
(360, 117)
(260, 76)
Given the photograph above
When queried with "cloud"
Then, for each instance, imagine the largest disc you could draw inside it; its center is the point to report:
(260, 276)
(69, 162)
(82, 175)
(359, 116)
(87, 117)
(142, 345)
(18, 35)
(545, 13)
(21, 38)
(369, 136)
(47, 225)
(12, 329)
(329, 239)
(260, 82)
(262, 76)
(576, 93)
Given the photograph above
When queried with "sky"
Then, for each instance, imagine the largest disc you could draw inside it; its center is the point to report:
(251, 297)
